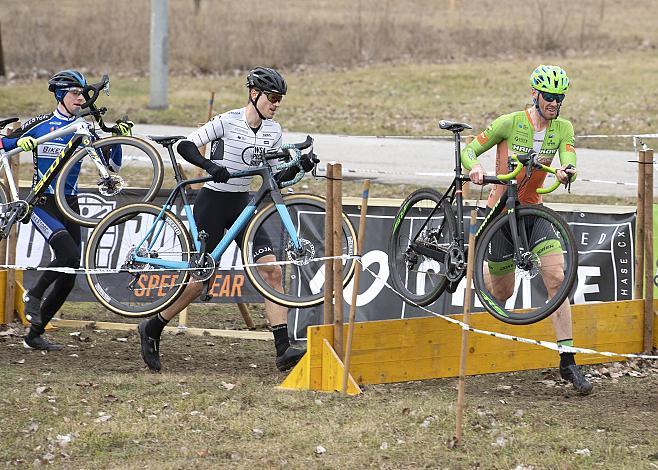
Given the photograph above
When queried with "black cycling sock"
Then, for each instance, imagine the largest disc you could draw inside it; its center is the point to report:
(566, 358)
(155, 326)
(281, 340)
(33, 333)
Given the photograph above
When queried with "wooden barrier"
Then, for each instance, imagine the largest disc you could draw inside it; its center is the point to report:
(427, 348)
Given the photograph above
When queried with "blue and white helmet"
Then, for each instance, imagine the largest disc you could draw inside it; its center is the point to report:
(62, 81)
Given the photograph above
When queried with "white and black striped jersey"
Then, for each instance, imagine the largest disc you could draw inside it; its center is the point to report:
(231, 135)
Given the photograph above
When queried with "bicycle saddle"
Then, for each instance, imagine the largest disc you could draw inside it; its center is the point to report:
(453, 126)
(165, 141)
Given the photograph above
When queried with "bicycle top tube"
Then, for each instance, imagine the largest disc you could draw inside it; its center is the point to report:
(79, 126)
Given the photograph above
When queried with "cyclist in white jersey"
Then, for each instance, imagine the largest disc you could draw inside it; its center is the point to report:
(220, 202)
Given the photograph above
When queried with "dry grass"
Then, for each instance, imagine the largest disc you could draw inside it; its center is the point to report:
(222, 36)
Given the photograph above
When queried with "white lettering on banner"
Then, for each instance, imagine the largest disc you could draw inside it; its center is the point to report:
(30, 246)
(381, 259)
(602, 238)
(585, 274)
(584, 238)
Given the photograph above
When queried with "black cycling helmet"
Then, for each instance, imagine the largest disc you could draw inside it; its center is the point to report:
(66, 79)
(267, 80)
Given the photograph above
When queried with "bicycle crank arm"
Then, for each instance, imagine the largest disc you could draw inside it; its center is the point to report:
(439, 256)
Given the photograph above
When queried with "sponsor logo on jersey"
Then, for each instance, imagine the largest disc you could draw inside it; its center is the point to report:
(49, 149)
(482, 138)
(267, 134)
(570, 148)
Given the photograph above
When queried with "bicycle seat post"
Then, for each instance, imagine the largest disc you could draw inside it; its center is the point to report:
(458, 164)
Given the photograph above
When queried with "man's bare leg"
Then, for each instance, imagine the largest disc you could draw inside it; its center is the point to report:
(277, 315)
(552, 271)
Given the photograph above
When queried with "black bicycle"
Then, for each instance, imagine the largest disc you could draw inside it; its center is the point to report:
(525, 256)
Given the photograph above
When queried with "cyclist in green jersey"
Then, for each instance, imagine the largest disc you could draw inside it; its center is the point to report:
(537, 128)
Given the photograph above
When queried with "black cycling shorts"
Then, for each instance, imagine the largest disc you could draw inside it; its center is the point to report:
(216, 211)
(542, 239)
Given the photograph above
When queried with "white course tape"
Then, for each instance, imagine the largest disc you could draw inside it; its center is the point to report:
(115, 271)
(544, 344)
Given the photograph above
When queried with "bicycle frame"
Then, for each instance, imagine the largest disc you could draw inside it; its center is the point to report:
(82, 134)
(454, 194)
(269, 187)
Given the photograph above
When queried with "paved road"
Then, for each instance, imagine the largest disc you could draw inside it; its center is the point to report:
(429, 161)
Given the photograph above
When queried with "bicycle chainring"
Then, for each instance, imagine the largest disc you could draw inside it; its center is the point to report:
(455, 264)
(111, 186)
(203, 267)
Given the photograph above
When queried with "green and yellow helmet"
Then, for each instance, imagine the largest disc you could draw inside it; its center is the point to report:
(550, 78)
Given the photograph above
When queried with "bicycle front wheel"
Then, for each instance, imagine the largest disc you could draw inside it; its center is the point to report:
(527, 286)
(132, 288)
(138, 177)
(302, 283)
(423, 231)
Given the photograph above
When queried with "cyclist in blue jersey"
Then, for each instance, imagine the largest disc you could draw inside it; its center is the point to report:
(62, 235)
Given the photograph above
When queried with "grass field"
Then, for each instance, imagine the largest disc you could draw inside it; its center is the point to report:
(215, 406)
(401, 99)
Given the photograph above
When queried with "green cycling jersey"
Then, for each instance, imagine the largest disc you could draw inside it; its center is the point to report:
(514, 133)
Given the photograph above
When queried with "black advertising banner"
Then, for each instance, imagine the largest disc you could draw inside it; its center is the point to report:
(605, 272)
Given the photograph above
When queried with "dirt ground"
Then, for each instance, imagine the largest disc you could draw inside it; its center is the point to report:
(215, 404)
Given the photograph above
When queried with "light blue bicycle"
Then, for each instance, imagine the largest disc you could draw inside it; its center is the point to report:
(150, 255)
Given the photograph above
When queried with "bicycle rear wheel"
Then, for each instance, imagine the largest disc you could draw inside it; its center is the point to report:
(528, 286)
(421, 225)
(302, 273)
(138, 179)
(135, 230)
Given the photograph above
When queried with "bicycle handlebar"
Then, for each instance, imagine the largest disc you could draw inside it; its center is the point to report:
(91, 94)
(530, 160)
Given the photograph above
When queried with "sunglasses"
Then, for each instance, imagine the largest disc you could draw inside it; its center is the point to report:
(273, 97)
(550, 97)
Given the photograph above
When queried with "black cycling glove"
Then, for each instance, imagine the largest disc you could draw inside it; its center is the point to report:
(219, 173)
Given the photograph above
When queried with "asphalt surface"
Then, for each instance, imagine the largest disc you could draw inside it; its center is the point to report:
(431, 161)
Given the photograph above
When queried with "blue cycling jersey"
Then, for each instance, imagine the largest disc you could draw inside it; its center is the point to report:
(48, 151)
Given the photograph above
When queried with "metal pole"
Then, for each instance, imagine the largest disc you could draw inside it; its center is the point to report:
(2, 56)
(159, 53)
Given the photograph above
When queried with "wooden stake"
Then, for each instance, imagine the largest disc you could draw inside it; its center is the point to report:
(355, 285)
(246, 317)
(468, 294)
(329, 248)
(650, 267)
(338, 262)
(200, 172)
(639, 229)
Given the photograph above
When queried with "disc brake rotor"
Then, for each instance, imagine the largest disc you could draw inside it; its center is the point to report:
(303, 256)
